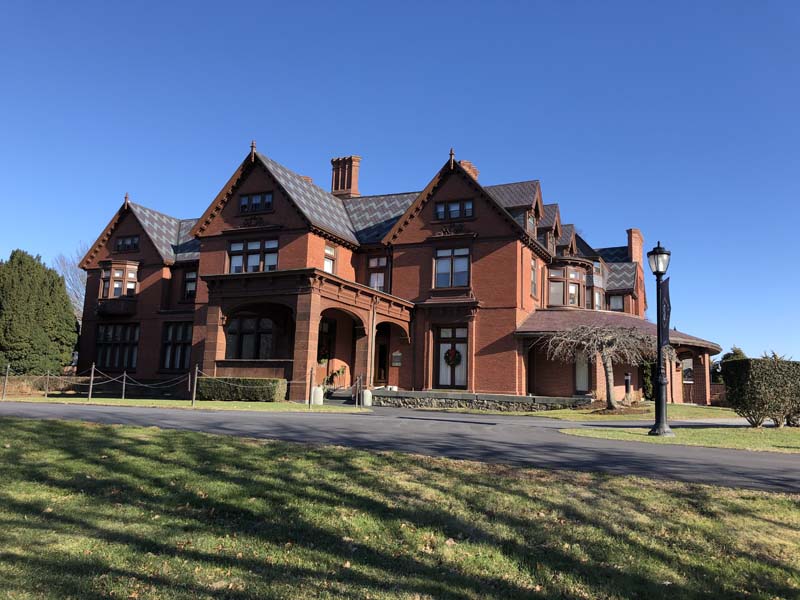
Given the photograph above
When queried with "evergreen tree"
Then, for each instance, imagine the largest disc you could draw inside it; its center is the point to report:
(37, 325)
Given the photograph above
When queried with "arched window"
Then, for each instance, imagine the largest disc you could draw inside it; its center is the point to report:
(249, 337)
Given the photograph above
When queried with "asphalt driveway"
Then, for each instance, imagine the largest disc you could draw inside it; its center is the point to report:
(524, 441)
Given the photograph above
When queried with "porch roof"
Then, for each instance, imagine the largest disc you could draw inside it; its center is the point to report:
(562, 319)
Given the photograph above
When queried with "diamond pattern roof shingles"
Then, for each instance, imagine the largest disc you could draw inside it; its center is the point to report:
(373, 216)
(322, 209)
(169, 235)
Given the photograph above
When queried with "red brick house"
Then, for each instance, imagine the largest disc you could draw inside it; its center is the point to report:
(445, 289)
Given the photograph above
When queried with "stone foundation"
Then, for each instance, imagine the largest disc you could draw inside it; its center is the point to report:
(498, 402)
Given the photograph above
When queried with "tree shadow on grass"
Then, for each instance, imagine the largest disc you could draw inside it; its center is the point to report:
(306, 512)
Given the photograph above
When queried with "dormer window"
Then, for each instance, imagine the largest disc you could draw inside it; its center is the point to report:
(531, 222)
(127, 244)
(456, 209)
(254, 203)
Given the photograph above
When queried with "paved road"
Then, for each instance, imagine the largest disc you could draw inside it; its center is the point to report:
(526, 441)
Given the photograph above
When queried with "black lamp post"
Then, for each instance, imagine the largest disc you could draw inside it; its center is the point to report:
(658, 258)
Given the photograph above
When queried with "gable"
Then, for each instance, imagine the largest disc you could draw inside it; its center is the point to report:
(318, 209)
(419, 222)
(124, 223)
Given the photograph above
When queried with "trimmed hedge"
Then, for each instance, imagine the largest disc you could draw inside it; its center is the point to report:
(244, 389)
(763, 388)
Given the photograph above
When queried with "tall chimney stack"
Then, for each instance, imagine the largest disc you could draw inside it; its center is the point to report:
(469, 168)
(635, 245)
(344, 176)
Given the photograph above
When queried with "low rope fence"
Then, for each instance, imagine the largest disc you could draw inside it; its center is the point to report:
(94, 381)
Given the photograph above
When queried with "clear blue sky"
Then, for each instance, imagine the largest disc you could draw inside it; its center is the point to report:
(679, 118)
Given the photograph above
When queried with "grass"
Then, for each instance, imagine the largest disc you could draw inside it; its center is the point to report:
(95, 511)
(187, 404)
(786, 439)
(676, 412)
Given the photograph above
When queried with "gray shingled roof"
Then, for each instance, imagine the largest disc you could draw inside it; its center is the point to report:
(322, 209)
(584, 249)
(614, 254)
(514, 195)
(548, 219)
(567, 231)
(373, 216)
(553, 320)
(621, 276)
(169, 235)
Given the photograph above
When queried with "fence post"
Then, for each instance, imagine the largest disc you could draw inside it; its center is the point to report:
(91, 383)
(124, 376)
(194, 384)
(5, 380)
(310, 386)
(46, 383)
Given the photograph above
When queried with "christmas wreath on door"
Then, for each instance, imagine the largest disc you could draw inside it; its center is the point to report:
(452, 357)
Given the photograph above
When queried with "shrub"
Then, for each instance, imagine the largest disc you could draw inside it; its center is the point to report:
(761, 388)
(246, 389)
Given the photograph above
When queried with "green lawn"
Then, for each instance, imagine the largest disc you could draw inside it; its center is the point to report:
(187, 404)
(786, 439)
(91, 511)
(674, 411)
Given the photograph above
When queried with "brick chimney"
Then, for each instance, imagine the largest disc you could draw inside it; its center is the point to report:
(635, 245)
(344, 176)
(469, 168)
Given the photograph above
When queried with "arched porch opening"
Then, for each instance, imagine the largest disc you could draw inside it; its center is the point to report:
(392, 360)
(341, 348)
(258, 341)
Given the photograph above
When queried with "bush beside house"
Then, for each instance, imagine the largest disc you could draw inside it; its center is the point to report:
(763, 388)
(245, 389)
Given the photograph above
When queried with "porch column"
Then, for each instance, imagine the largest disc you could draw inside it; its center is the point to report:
(361, 358)
(306, 334)
(212, 350)
(701, 390)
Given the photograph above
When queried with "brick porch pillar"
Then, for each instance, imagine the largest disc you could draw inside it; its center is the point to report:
(701, 390)
(212, 349)
(306, 334)
(361, 358)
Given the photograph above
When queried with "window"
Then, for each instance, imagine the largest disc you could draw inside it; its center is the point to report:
(556, 272)
(253, 203)
(252, 257)
(377, 274)
(376, 281)
(531, 222)
(574, 294)
(189, 285)
(687, 365)
(534, 277)
(574, 274)
(127, 244)
(616, 303)
(598, 268)
(118, 282)
(598, 300)
(249, 337)
(456, 209)
(556, 293)
(452, 268)
(117, 346)
(329, 264)
(451, 357)
(176, 346)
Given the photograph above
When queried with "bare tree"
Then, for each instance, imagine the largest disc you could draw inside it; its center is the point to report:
(613, 345)
(74, 277)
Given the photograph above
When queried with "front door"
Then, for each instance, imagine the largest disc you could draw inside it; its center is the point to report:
(451, 357)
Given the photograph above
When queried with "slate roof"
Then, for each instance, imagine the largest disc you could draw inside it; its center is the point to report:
(548, 219)
(621, 276)
(514, 195)
(552, 320)
(614, 254)
(584, 249)
(322, 209)
(169, 235)
(373, 216)
(567, 231)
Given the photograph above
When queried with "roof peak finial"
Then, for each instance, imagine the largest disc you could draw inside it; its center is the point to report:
(127, 200)
(252, 151)
(452, 157)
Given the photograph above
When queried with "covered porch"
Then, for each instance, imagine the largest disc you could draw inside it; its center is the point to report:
(306, 326)
(550, 378)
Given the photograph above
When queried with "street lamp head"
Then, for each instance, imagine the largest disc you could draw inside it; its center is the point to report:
(658, 258)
